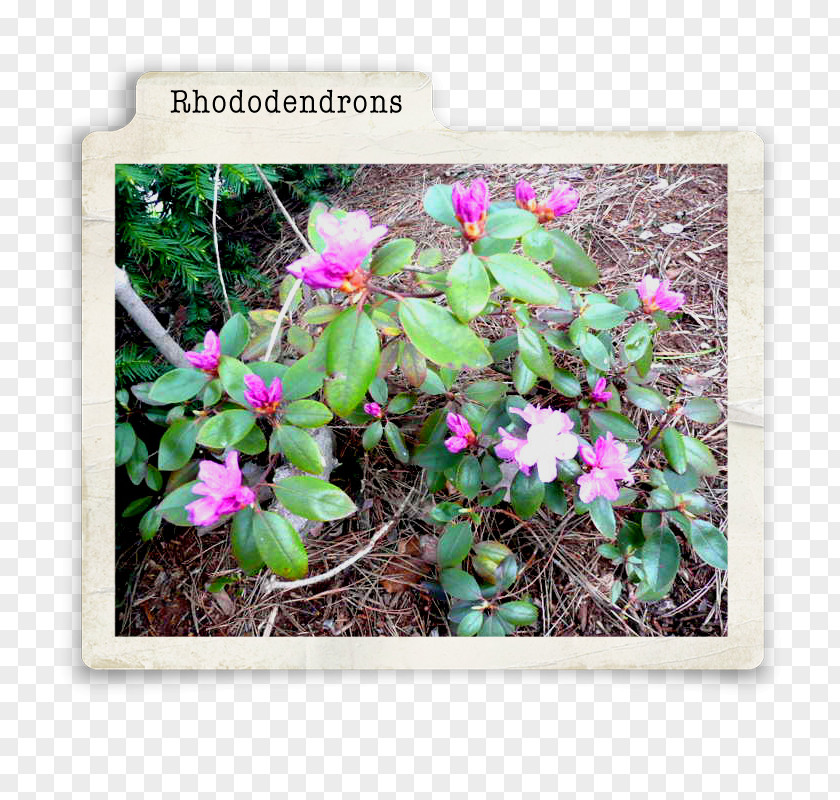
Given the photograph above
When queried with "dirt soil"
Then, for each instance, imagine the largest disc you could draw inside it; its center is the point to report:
(162, 585)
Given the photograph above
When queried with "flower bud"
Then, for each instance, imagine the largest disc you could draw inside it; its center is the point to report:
(488, 556)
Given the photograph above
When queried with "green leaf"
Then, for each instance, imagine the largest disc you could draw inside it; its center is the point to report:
(137, 506)
(489, 246)
(637, 341)
(493, 626)
(372, 435)
(352, 359)
(178, 444)
(615, 591)
(524, 378)
(126, 439)
(307, 414)
(601, 513)
(252, 442)
(430, 257)
(173, 507)
(709, 543)
(526, 494)
(306, 375)
(519, 613)
(571, 263)
(300, 339)
(234, 335)
(454, 545)
(468, 477)
(660, 559)
(491, 474)
(232, 374)
(538, 244)
(243, 544)
(662, 320)
(645, 360)
(523, 279)
(504, 347)
(460, 584)
(315, 238)
(280, 545)
(603, 316)
(628, 299)
(438, 204)
(648, 399)
(149, 524)
(555, 498)
(299, 448)
(486, 392)
(565, 383)
(510, 223)
(469, 287)
(471, 623)
(154, 480)
(413, 365)
(178, 385)
(392, 257)
(535, 353)
(672, 444)
(313, 498)
(687, 481)
(608, 551)
(440, 337)
(225, 429)
(435, 457)
(701, 409)
(594, 352)
(700, 457)
(617, 424)
(402, 402)
(321, 314)
(136, 466)
(396, 442)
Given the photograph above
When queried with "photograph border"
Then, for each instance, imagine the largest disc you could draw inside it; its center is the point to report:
(413, 135)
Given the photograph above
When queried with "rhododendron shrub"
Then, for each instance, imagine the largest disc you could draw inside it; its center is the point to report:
(542, 421)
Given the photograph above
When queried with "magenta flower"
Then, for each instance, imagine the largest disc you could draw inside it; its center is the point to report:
(470, 207)
(656, 295)
(263, 399)
(464, 436)
(606, 460)
(526, 197)
(599, 392)
(208, 358)
(349, 241)
(509, 448)
(374, 409)
(222, 489)
(563, 199)
(549, 438)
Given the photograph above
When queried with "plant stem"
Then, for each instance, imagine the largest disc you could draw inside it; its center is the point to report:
(216, 238)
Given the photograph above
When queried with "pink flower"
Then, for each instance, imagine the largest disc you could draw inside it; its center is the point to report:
(656, 295)
(599, 393)
(526, 197)
(549, 438)
(464, 436)
(222, 489)
(470, 207)
(563, 199)
(208, 358)
(349, 241)
(374, 409)
(510, 446)
(263, 399)
(606, 460)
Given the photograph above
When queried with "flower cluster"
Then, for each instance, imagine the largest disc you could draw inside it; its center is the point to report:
(600, 393)
(208, 358)
(464, 436)
(607, 466)
(348, 242)
(264, 399)
(471, 208)
(222, 490)
(563, 199)
(374, 409)
(656, 295)
(548, 439)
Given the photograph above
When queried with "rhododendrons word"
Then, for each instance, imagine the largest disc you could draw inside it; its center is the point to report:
(561, 415)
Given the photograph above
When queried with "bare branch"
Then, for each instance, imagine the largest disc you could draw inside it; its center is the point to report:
(216, 238)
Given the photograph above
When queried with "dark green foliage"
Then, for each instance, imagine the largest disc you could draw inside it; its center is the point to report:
(164, 241)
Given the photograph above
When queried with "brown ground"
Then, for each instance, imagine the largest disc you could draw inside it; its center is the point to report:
(162, 584)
